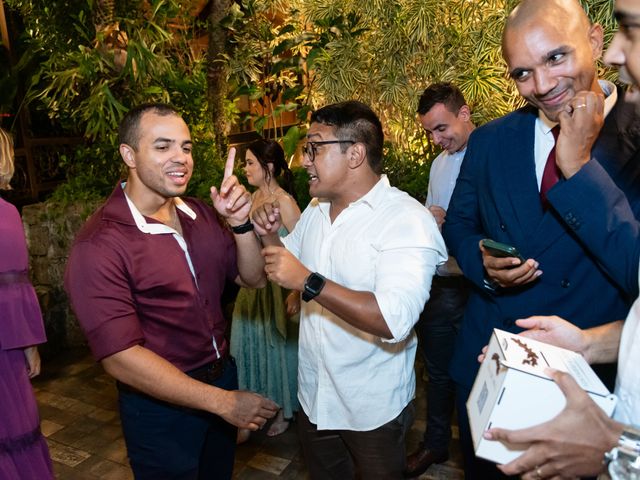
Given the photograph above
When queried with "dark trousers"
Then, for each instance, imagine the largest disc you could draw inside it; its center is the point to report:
(165, 441)
(347, 454)
(437, 330)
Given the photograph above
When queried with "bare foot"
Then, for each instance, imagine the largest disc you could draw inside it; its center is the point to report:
(243, 435)
(278, 426)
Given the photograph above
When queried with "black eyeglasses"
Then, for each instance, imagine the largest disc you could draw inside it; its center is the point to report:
(311, 148)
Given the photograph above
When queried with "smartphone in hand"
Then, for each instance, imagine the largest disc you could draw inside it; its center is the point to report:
(501, 250)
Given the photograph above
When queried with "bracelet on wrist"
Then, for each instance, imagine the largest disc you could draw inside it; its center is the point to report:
(244, 228)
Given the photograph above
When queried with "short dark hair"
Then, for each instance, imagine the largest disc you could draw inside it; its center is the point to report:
(129, 131)
(353, 120)
(444, 92)
(270, 152)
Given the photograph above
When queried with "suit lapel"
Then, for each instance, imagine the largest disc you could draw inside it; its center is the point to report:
(539, 229)
(519, 176)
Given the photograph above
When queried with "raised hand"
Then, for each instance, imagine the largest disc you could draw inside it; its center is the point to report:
(233, 201)
(580, 126)
(266, 218)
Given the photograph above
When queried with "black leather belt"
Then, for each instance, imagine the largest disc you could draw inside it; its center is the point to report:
(210, 372)
(207, 373)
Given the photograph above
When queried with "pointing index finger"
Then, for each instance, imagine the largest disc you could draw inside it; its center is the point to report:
(228, 167)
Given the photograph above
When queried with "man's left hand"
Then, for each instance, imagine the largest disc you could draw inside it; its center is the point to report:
(284, 269)
(233, 201)
(570, 445)
(580, 126)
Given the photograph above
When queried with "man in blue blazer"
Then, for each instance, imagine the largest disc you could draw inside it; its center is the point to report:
(551, 51)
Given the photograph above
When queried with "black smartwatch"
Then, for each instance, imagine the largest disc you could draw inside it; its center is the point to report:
(244, 228)
(312, 286)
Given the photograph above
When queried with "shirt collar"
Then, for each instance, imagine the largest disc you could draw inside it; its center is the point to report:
(372, 198)
(376, 195)
(156, 228)
(610, 99)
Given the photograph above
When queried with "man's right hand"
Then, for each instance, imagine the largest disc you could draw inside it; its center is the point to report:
(509, 271)
(580, 127)
(439, 213)
(247, 409)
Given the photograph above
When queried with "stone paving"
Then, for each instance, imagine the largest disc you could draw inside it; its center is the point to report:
(78, 409)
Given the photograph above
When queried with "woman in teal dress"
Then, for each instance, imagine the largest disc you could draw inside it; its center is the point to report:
(264, 336)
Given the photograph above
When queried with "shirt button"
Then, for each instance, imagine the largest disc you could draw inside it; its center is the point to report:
(565, 283)
(206, 302)
(503, 227)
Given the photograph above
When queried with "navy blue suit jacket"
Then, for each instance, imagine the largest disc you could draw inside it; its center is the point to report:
(496, 196)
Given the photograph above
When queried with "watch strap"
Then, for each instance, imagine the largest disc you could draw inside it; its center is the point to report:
(244, 228)
(313, 285)
(624, 459)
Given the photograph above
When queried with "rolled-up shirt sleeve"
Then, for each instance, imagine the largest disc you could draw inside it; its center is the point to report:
(410, 250)
(100, 293)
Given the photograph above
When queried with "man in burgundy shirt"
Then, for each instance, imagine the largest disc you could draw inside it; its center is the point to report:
(145, 277)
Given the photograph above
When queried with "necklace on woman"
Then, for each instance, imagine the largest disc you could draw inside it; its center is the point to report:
(271, 193)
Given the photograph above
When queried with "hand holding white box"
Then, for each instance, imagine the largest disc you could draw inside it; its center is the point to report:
(513, 391)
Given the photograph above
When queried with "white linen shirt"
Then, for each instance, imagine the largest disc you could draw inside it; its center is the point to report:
(628, 381)
(385, 243)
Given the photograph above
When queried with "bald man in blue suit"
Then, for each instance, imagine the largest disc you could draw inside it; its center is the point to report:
(570, 270)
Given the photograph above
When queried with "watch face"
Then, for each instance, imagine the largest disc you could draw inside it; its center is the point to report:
(314, 282)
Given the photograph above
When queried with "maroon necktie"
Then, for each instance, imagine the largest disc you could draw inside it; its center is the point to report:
(551, 173)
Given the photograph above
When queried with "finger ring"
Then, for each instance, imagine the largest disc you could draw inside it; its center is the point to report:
(538, 472)
(582, 105)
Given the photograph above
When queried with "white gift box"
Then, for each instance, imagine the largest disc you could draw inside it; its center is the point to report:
(512, 391)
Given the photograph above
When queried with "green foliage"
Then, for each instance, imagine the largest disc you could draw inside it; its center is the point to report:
(268, 61)
(293, 55)
(91, 66)
(409, 169)
(384, 54)
(301, 185)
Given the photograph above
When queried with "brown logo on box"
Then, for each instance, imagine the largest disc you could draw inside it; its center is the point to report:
(496, 358)
(532, 357)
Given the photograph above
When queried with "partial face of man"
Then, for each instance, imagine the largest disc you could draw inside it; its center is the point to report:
(162, 161)
(624, 51)
(552, 57)
(447, 129)
(326, 163)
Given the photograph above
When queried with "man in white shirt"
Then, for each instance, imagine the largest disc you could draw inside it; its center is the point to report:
(574, 443)
(363, 254)
(446, 118)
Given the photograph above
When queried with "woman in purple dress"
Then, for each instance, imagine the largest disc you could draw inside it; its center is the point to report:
(23, 449)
